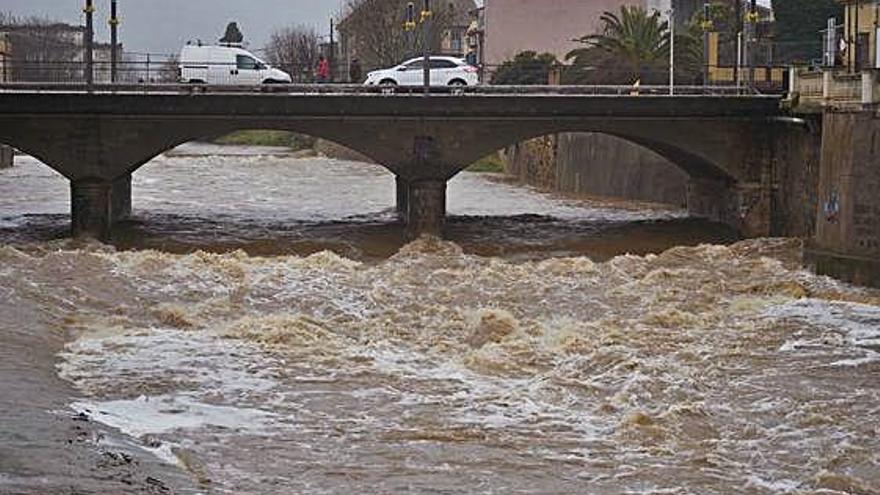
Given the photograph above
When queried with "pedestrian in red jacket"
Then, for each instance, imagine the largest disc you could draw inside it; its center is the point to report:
(323, 70)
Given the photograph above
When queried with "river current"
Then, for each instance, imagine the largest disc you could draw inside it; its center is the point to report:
(260, 327)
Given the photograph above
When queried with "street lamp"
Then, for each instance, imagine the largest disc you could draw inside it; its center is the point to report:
(409, 26)
(426, 18)
(707, 25)
(89, 10)
(671, 13)
(114, 41)
(751, 39)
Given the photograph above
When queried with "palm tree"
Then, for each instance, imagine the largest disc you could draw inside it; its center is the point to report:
(632, 45)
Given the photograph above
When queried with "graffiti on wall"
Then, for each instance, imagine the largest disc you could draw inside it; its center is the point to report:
(831, 207)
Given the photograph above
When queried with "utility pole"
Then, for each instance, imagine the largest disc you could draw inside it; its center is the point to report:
(738, 20)
(409, 26)
(114, 41)
(331, 51)
(671, 49)
(427, 17)
(751, 41)
(89, 42)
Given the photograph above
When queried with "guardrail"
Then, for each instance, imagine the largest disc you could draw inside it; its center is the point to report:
(349, 89)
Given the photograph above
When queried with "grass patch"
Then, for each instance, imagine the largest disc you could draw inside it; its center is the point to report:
(283, 139)
(491, 164)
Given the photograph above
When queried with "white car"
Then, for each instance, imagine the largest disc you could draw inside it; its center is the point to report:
(226, 65)
(445, 71)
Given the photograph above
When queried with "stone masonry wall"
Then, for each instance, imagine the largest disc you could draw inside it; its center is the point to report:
(849, 190)
(796, 162)
(598, 165)
(847, 240)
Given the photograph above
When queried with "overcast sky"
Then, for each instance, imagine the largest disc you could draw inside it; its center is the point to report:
(163, 26)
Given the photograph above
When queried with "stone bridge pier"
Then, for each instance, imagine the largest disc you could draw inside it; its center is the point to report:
(96, 205)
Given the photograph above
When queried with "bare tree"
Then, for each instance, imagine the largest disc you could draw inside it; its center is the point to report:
(375, 31)
(295, 50)
(43, 50)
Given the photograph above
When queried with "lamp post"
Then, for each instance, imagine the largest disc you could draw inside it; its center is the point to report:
(89, 42)
(426, 20)
(750, 41)
(707, 26)
(671, 50)
(409, 26)
(114, 41)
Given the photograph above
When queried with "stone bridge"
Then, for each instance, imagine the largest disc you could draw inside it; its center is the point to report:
(736, 149)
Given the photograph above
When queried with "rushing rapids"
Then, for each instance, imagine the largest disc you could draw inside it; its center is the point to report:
(535, 362)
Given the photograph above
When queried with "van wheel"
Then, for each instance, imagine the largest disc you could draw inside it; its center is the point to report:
(195, 81)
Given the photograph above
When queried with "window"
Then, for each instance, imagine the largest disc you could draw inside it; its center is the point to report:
(455, 43)
(414, 65)
(443, 64)
(243, 62)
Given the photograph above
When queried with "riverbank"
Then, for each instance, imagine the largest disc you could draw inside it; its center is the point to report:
(45, 447)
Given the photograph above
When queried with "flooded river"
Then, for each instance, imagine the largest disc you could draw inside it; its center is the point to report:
(260, 327)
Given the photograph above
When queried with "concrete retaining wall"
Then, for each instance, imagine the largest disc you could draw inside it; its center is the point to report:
(598, 165)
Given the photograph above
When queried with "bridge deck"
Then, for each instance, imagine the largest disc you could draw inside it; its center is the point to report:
(354, 102)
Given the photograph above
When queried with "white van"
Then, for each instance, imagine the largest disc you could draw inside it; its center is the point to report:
(226, 65)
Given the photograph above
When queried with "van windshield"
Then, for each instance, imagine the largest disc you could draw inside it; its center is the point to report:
(243, 62)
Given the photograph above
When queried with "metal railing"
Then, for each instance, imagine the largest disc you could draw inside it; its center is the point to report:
(355, 89)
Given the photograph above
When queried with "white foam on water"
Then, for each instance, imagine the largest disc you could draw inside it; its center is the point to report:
(489, 402)
(190, 360)
(779, 486)
(846, 328)
(166, 413)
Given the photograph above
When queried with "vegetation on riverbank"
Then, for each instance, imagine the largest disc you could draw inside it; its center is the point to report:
(490, 163)
(284, 139)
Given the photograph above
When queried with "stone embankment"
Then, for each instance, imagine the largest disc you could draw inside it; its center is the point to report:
(596, 165)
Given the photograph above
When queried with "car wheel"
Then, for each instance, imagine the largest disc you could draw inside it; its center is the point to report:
(196, 81)
(457, 82)
(388, 82)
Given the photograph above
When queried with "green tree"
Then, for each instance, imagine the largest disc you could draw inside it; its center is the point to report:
(632, 46)
(798, 26)
(526, 68)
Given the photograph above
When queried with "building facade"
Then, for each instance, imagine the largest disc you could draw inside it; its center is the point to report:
(50, 53)
(860, 39)
(503, 28)
(5, 58)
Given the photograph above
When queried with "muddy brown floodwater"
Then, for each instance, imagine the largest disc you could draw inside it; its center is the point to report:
(260, 327)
